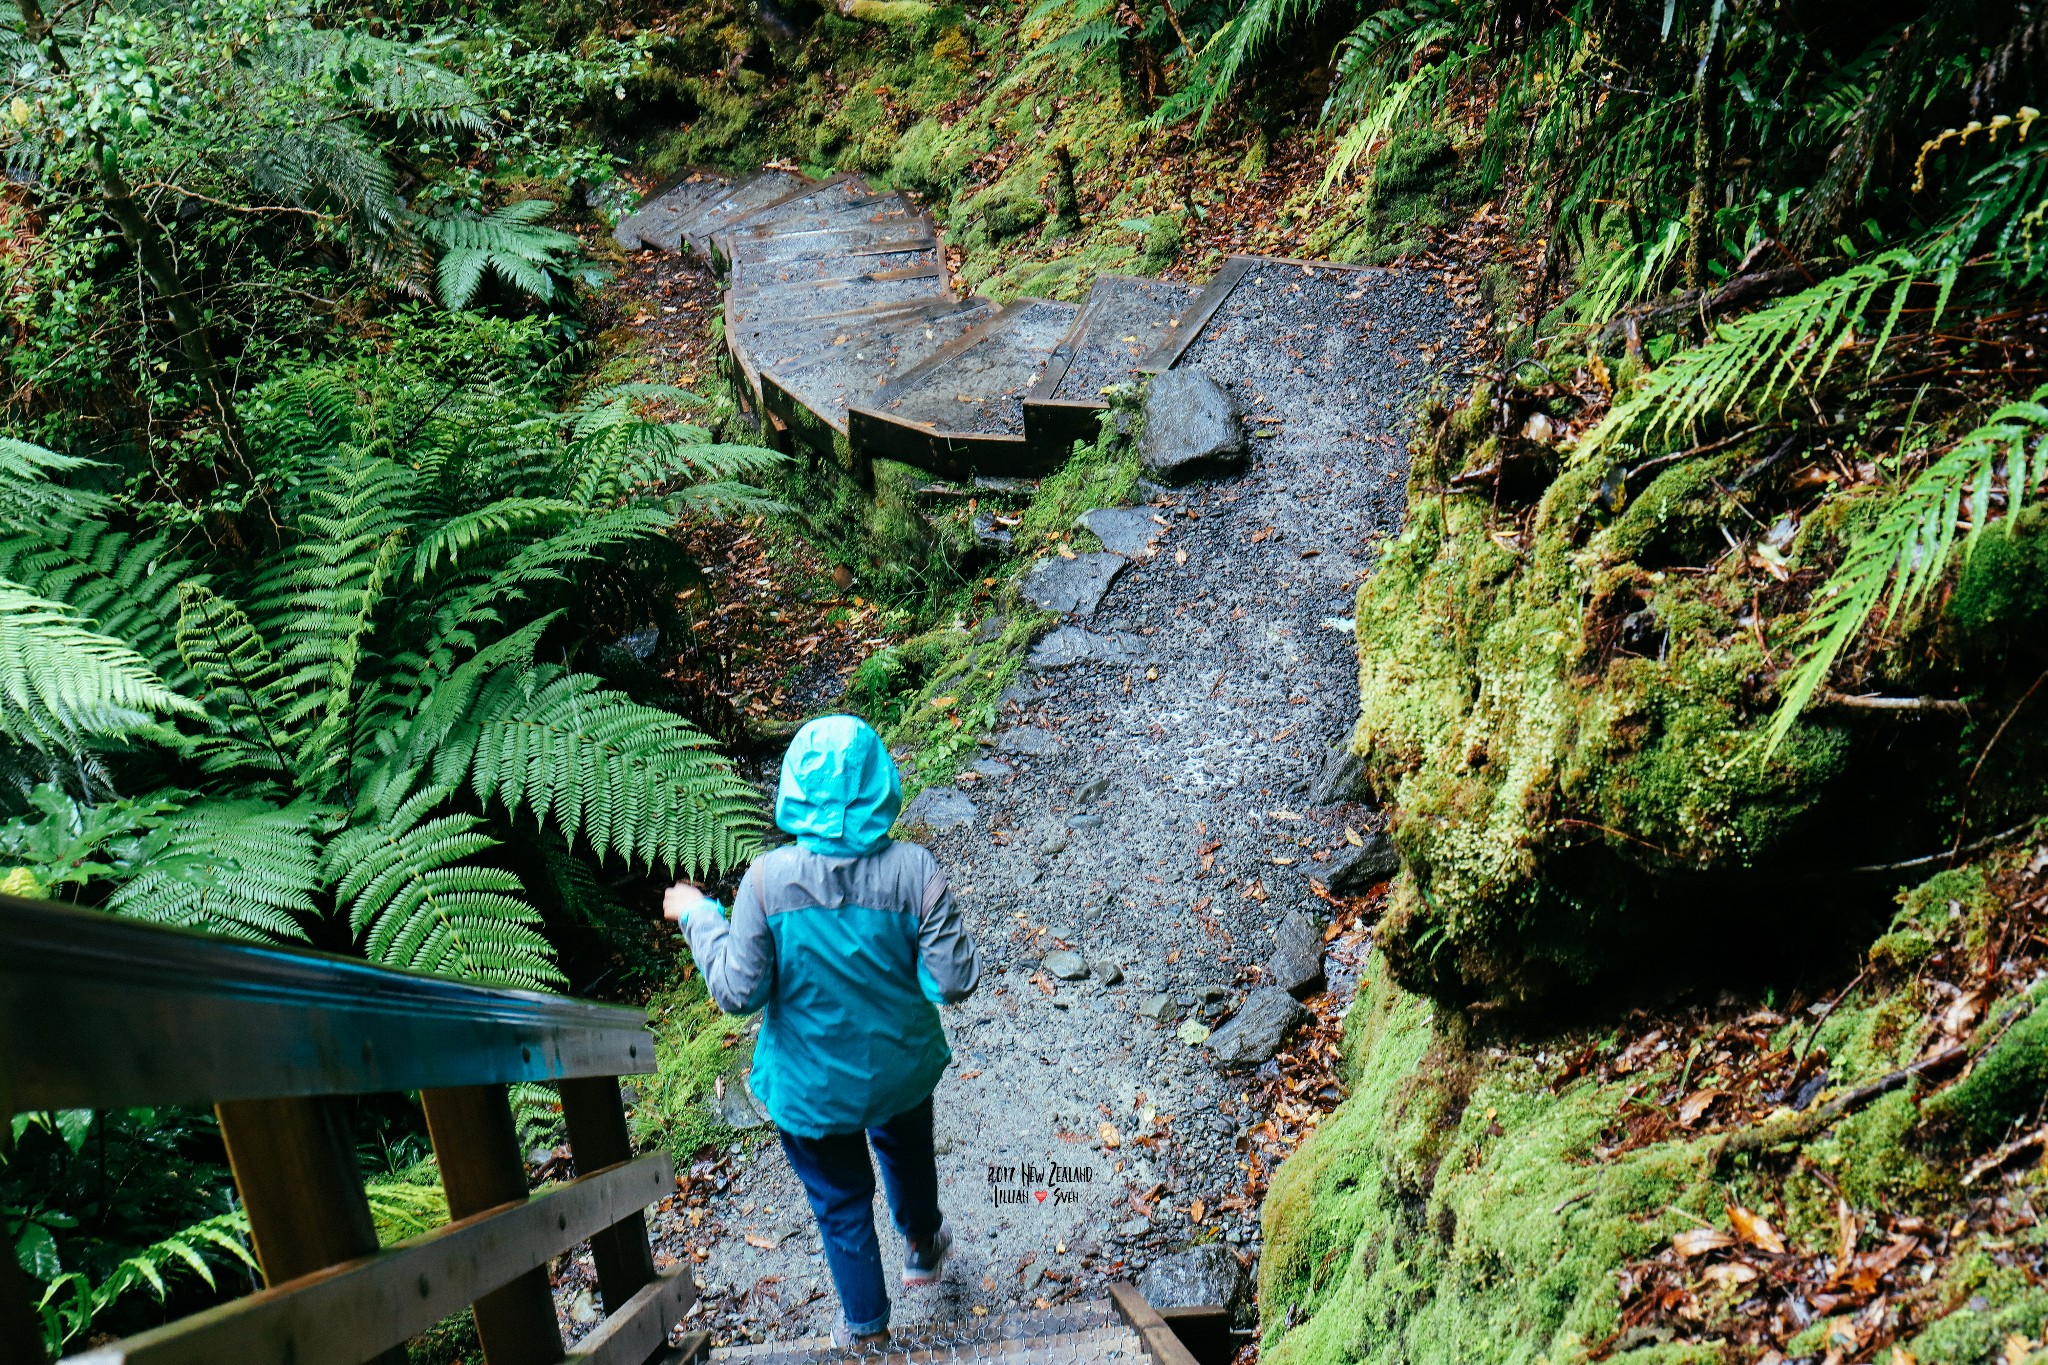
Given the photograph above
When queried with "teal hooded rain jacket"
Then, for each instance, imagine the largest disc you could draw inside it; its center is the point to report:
(846, 941)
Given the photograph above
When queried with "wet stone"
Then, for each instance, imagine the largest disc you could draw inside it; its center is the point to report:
(1128, 531)
(1297, 962)
(1191, 429)
(1070, 645)
(1207, 1275)
(1342, 777)
(1074, 587)
(1353, 871)
(1066, 966)
(940, 808)
(1029, 741)
(1160, 1009)
(1106, 972)
(1258, 1029)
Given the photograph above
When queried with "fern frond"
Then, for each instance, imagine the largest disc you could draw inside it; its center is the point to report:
(244, 868)
(1759, 360)
(63, 685)
(246, 690)
(634, 781)
(417, 902)
(30, 500)
(1990, 473)
(127, 588)
(507, 243)
(467, 530)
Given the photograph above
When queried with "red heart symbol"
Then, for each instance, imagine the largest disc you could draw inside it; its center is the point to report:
(1040, 1194)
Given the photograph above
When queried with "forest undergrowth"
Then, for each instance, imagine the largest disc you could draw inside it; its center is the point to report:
(1701, 690)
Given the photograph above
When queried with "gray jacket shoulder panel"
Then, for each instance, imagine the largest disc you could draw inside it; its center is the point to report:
(794, 878)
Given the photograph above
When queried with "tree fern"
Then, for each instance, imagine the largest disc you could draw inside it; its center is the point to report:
(630, 780)
(62, 683)
(614, 452)
(417, 902)
(245, 868)
(245, 687)
(1991, 472)
(126, 586)
(30, 498)
(72, 1301)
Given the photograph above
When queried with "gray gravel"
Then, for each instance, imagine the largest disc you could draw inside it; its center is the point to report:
(1197, 751)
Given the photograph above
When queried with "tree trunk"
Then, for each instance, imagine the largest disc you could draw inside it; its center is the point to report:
(1066, 203)
(1706, 93)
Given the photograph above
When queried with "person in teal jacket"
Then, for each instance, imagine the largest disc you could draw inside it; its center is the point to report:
(846, 941)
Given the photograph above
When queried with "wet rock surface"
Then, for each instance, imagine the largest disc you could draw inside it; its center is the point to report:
(1296, 965)
(939, 808)
(1198, 1276)
(1353, 871)
(1127, 531)
(1220, 751)
(1072, 587)
(1191, 429)
(1257, 1030)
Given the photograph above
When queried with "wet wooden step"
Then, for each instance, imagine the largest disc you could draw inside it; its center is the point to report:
(695, 231)
(860, 362)
(961, 412)
(1124, 320)
(795, 211)
(791, 233)
(653, 223)
(1075, 1334)
(888, 259)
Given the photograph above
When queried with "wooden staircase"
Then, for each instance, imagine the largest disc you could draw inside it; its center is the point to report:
(1120, 1330)
(844, 333)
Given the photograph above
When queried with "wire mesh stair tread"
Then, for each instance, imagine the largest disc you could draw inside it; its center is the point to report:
(743, 198)
(1072, 1334)
(756, 277)
(1125, 319)
(805, 208)
(653, 222)
(828, 381)
(977, 386)
(848, 230)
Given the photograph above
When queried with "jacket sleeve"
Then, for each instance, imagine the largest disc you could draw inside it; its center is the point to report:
(737, 959)
(950, 965)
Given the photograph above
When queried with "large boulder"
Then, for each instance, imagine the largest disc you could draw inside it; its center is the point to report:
(1191, 430)
(1204, 1276)
(940, 808)
(1127, 531)
(1257, 1030)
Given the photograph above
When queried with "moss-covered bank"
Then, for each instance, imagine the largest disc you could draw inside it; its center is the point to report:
(1479, 1200)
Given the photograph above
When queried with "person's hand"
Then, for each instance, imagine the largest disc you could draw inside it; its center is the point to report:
(679, 900)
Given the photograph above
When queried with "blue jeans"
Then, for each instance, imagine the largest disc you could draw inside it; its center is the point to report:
(840, 1183)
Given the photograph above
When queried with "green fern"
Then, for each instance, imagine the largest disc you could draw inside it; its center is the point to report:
(630, 780)
(125, 586)
(245, 687)
(62, 683)
(247, 869)
(508, 244)
(1990, 473)
(71, 1302)
(417, 902)
(1760, 360)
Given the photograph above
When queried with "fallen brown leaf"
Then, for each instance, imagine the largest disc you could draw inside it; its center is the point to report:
(1756, 1230)
(1699, 1241)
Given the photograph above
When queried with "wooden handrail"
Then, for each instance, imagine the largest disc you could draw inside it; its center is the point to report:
(100, 1012)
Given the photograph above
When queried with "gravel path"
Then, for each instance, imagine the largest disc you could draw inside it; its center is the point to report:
(1150, 814)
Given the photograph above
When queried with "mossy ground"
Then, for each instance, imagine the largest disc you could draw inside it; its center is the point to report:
(1566, 668)
(1479, 1200)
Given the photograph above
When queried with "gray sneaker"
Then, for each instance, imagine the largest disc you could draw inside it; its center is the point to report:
(923, 1260)
(843, 1337)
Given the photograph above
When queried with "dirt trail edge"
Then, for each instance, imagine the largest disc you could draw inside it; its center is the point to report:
(1149, 815)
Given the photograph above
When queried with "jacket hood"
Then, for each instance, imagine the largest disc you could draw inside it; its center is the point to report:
(839, 792)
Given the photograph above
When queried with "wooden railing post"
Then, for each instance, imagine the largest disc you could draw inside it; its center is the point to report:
(477, 1147)
(596, 1118)
(295, 1165)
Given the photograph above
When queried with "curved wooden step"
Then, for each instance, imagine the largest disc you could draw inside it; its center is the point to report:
(679, 200)
(961, 412)
(860, 364)
(1125, 319)
(695, 232)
